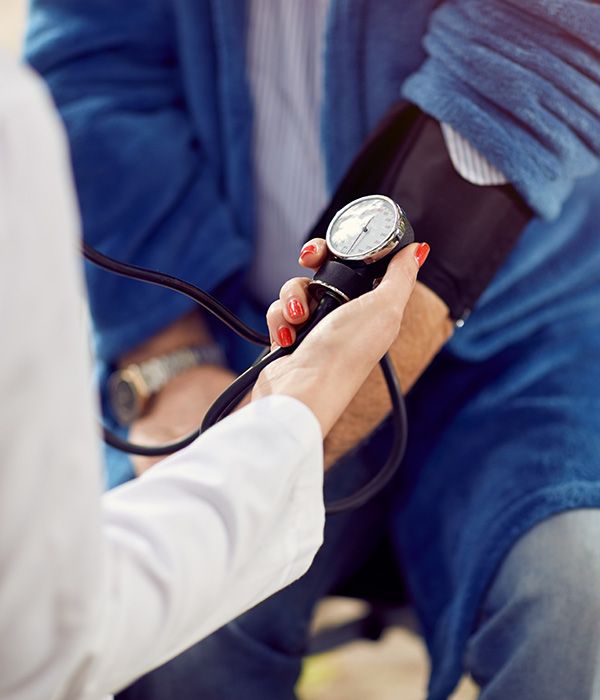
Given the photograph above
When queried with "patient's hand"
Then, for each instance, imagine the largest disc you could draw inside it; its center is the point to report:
(180, 406)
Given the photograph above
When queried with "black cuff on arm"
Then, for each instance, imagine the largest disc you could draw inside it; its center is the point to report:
(471, 228)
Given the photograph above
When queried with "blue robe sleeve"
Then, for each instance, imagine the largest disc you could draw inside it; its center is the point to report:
(521, 80)
(149, 189)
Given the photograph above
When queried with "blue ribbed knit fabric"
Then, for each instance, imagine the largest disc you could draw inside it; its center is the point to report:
(519, 79)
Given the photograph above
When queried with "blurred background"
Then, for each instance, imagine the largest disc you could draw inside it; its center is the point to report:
(391, 669)
(12, 20)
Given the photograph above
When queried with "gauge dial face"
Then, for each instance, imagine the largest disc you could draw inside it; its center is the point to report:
(363, 228)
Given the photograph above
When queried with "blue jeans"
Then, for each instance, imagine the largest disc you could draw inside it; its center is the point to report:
(539, 629)
(537, 636)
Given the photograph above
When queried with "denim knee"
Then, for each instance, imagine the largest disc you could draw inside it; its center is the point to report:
(539, 630)
(556, 567)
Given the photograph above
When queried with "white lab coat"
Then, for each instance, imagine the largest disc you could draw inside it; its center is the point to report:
(95, 591)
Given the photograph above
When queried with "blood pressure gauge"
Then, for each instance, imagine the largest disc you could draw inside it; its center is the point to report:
(367, 229)
(360, 239)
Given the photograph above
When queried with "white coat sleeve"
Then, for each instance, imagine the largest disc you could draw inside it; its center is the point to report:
(95, 591)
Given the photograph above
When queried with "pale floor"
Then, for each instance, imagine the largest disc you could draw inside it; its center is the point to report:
(392, 669)
(11, 24)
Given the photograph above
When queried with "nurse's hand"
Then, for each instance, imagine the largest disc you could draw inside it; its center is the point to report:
(335, 359)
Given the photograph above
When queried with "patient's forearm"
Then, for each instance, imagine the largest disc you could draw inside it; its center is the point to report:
(425, 329)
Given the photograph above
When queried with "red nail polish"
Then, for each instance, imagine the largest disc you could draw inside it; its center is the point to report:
(308, 249)
(422, 253)
(295, 309)
(285, 336)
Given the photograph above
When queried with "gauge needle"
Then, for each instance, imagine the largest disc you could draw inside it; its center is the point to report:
(364, 229)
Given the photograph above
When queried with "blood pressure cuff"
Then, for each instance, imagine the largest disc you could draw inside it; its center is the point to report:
(471, 228)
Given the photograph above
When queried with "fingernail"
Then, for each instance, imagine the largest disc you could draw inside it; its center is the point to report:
(308, 249)
(295, 309)
(422, 253)
(285, 337)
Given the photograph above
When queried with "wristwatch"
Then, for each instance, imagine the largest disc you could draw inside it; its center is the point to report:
(131, 388)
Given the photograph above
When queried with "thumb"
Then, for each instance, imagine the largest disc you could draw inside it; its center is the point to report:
(396, 287)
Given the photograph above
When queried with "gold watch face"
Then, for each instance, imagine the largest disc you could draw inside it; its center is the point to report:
(366, 229)
(125, 399)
